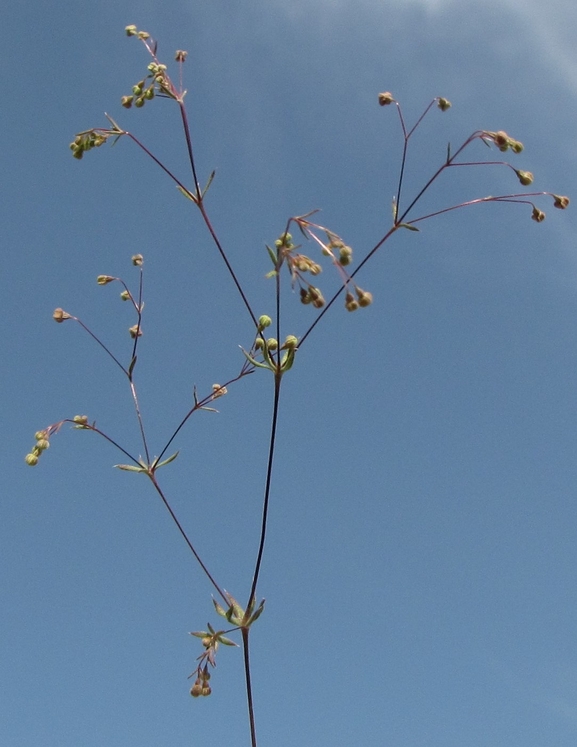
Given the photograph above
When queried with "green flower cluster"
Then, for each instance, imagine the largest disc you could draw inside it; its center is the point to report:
(42, 443)
(85, 141)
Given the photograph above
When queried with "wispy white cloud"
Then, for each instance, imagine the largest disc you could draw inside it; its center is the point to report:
(546, 28)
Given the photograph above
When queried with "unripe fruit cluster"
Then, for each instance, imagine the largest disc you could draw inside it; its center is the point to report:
(42, 443)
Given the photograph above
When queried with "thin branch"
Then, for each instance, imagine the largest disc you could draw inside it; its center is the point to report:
(102, 345)
(271, 452)
(188, 139)
(245, 371)
(186, 539)
(245, 634)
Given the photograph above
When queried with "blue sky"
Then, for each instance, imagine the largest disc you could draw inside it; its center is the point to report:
(420, 563)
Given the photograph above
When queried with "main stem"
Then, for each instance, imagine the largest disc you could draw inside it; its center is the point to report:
(265, 507)
(245, 633)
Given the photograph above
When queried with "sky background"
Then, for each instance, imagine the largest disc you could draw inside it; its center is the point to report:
(420, 563)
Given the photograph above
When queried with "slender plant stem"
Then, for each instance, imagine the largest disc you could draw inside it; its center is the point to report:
(377, 246)
(107, 438)
(207, 222)
(227, 263)
(186, 539)
(139, 418)
(102, 345)
(188, 139)
(271, 452)
(200, 405)
(245, 634)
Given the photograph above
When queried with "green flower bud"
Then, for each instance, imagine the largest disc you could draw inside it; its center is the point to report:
(351, 303)
(149, 93)
(130, 30)
(125, 295)
(40, 435)
(60, 315)
(104, 279)
(315, 269)
(31, 460)
(365, 298)
(258, 343)
(81, 419)
(516, 146)
(443, 104)
(290, 342)
(264, 321)
(42, 444)
(139, 102)
(345, 256)
(137, 260)
(317, 298)
(560, 202)
(218, 391)
(196, 689)
(135, 331)
(525, 177)
(386, 98)
(501, 140)
(537, 215)
(180, 55)
(206, 690)
(126, 101)
(272, 344)
(137, 90)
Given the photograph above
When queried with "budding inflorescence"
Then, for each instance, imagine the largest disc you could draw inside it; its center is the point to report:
(560, 201)
(341, 255)
(42, 443)
(503, 141)
(201, 686)
(360, 298)
(210, 639)
(43, 438)
(386, 98)
(59, 315)
(157, 81)
(525, 177)
(537, 215)
(85, 141)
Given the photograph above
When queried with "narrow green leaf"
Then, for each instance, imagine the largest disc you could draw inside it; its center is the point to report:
(132, 364)
(257, 614)
(272, 255)
(131, 468)
(209, 182)
(187, 194)
(220, 610)
(113, 123)
(408, 226)
(200, 633)
(226, 641)
(165, 461)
